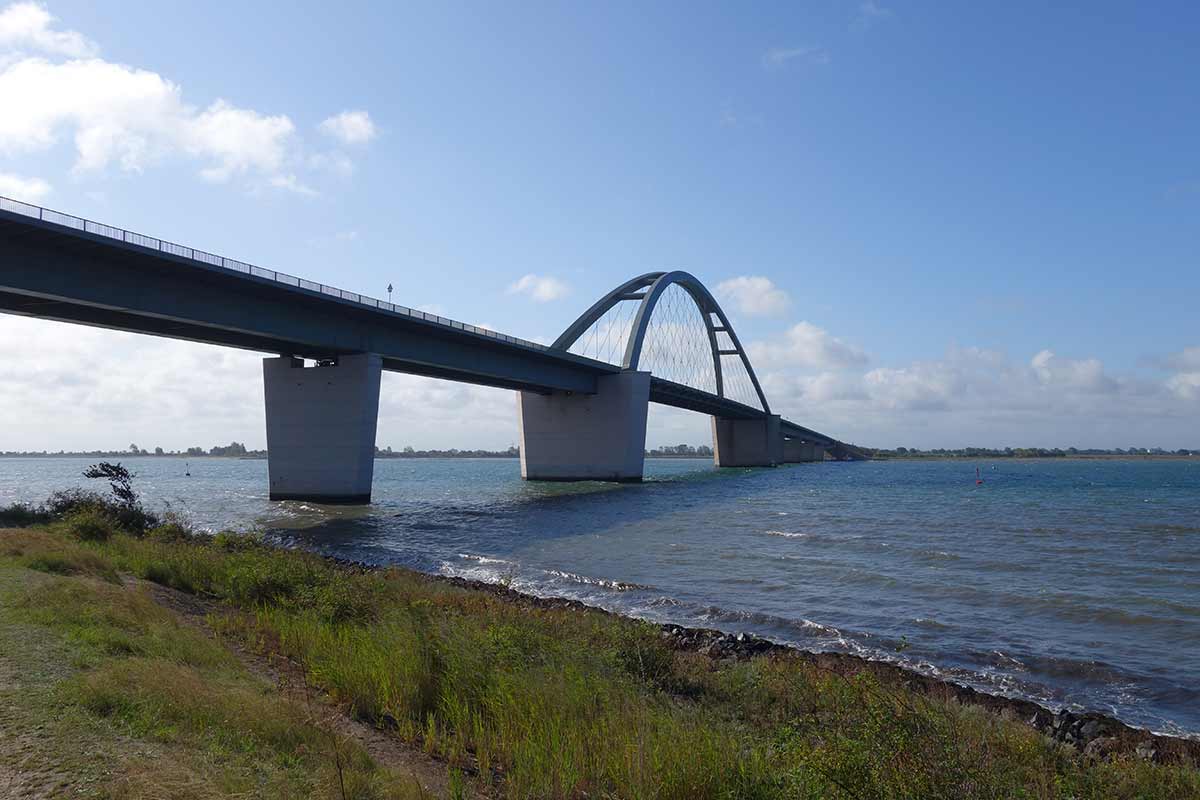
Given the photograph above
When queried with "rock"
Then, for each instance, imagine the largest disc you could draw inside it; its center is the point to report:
(1146, 750)
(1100, 747)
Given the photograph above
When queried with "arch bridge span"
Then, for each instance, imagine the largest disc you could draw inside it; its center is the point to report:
(660, 337)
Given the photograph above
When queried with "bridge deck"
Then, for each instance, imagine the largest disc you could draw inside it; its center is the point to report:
(56, 266)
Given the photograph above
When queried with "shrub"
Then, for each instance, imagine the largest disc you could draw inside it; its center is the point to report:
(22, 515)
(234, 542)
(170, 533)
(90, 525)
(134, 519)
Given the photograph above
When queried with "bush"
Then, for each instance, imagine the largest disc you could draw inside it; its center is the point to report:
(91, 525)
(22, 515)
(234, 542)
(134, 519)
(170, 533)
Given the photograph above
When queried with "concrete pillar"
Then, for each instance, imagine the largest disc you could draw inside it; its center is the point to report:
(797, 452)
(747, 442)
(581, 437)
(321, 428)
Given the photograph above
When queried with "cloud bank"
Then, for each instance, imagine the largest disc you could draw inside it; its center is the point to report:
(54, 87)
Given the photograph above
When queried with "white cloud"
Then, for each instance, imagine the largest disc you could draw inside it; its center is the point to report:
(778, 57)
(54, 89)
(1185, 382)
(31, 190)
(805, 346)
(133, 118)
(238, 140)
(1085, 375)
(754, 294)
(28, 26)
(1186, 385)
(542, 288)
(976, 396)
(349, 127)
(153, 391)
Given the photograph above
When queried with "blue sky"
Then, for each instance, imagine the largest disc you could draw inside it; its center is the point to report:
(956, 223)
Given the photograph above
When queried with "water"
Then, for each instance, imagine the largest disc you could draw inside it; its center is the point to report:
(1073, 583)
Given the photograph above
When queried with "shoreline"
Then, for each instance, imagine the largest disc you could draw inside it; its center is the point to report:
(1092, 733)
(175, 643)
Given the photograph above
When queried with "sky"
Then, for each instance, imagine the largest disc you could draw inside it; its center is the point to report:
(933, 225)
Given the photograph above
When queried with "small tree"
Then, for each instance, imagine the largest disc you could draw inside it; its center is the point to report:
(120, 480)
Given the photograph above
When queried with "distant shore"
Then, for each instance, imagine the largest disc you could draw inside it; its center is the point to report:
(1077, 457)
(256, 456)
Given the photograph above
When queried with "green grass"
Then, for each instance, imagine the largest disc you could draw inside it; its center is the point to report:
(525, 701)
(106, 693)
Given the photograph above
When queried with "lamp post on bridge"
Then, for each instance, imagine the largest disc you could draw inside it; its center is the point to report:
(389, 292)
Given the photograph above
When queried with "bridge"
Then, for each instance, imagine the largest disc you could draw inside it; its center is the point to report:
(582, 401)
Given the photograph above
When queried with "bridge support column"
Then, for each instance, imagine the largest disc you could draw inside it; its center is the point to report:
(798, 452)
(582, 437)
(321, 428)
(747, 442)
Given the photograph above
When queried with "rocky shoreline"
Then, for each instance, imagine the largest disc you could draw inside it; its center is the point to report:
(1092, 733)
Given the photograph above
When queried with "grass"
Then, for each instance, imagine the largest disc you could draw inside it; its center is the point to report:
(98, 668)
(517, 700)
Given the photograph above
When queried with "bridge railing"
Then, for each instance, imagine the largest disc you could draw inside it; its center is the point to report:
(233, 265)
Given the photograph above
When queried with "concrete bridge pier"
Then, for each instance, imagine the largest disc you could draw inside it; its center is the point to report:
(747, 442)
(796, 451)
(321, 428)
(582, 437)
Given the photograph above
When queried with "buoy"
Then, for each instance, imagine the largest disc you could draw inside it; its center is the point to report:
(978, 480)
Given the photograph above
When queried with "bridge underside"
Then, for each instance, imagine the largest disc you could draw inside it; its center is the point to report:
(72, 274)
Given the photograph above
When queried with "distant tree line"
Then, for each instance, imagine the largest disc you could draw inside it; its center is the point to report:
(1024, 452)
(233, 449)
(239, 450)
(681, 451)
(454, 452)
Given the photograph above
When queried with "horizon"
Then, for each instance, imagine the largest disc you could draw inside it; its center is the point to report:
(386, 448)
(918, 237)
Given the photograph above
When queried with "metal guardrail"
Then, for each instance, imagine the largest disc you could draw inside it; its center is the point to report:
(210, 259)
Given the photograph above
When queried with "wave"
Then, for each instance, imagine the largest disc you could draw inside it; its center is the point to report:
(527, 579)
(619, 586)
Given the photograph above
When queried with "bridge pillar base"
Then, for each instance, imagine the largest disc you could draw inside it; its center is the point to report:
(321, 428)
(586, 437)
(797, 452)
(747, 442)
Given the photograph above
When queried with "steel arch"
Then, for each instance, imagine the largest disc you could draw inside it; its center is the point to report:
(648, 289)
